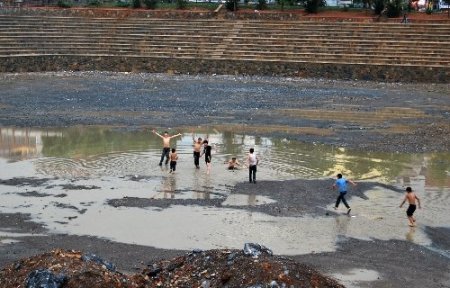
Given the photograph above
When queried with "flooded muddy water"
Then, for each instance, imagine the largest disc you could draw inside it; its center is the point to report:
(64, 177)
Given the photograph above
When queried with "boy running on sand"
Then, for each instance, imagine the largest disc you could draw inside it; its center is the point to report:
(166, 145)
(341, 185)
(411, 197)
(173, 160)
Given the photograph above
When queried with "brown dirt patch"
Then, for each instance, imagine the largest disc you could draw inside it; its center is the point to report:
(354, 15)
(361, 14)
(347, 115)
(275, 128)
(214, 268)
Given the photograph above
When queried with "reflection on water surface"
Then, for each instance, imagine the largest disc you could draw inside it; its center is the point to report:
(124, 164)
(95, 151)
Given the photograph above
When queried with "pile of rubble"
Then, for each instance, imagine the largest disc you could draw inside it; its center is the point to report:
(252, 267)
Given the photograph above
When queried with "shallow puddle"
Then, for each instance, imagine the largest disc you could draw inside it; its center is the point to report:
(7, 237)
(355, 278)
(246, 200)
(80, 168)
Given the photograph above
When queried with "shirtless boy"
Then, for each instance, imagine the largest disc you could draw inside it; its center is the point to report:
(233, 164)
(173, 160)
(207, 151)
(166, 145)
(197, 150)
(411, 197)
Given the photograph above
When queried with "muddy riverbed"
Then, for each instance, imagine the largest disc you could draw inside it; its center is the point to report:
(79, 171)
(372, 116)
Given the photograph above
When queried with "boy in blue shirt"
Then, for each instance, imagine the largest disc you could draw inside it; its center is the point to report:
(341, 185)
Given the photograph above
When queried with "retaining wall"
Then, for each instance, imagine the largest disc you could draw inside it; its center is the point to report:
(230, 67)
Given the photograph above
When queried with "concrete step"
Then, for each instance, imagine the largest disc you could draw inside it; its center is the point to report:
(311, 58)
(289, 41)
(241, 55)
(241, 35)
(330, 45)
(262, 41)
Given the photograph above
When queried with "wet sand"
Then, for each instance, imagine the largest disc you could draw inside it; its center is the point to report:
(357, 262)
(367, 116)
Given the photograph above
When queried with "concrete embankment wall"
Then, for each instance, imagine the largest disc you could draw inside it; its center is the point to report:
(188, 42)
(229, 67)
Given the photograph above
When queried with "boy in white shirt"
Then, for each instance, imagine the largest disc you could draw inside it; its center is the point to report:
(252, 161)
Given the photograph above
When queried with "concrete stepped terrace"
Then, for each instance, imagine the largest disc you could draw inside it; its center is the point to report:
(343, 50)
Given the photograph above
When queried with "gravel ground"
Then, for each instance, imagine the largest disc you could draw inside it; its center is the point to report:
(367, 115)
(364, 115)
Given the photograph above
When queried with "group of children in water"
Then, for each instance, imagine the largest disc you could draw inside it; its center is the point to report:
(202, 147)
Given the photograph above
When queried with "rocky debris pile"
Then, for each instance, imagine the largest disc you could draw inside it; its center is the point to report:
(252, 267)
(61, 268)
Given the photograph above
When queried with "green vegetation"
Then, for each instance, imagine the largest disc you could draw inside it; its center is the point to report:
(64, 4)
(379, 6)
(312, 6)
(94, 3)
(389, 8)
(447, 2)
(136, 4)
(261, 5)
(429, 8)
(181, 4)
(393, 8)
(232, 5)
(122, 4)
(151, 4)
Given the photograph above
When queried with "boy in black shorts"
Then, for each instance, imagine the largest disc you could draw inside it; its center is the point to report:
(411, 197)
(207, 152)
(173, 160)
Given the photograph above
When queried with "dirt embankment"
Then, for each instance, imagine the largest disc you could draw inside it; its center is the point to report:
(254, 266)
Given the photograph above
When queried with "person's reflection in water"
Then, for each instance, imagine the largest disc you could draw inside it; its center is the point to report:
(251, 199)
(406, 180)
(204, 191)
(410, 234)
(342, 224)
(196, 188)
(169, 186)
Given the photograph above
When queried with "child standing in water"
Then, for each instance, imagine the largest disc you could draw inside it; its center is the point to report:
(411, 197)
(166, 145)
(207, 152)
(341, 185)
(197, 149)
(173, 160)
(252, 161)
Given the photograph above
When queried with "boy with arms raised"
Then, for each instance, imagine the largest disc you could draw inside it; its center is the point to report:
(166, 145)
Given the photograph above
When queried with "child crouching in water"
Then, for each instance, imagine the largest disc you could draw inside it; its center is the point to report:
(233, 164)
